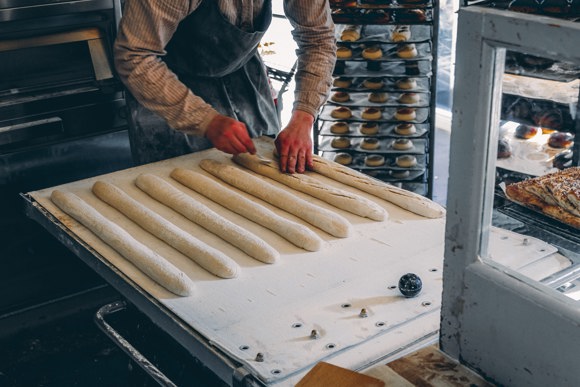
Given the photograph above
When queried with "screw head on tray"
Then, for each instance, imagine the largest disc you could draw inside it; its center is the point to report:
(410, 285)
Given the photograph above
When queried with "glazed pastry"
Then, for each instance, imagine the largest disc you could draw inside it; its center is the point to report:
(372, 53)
(350, 34)
(561, 140)
(402, 144)
(340, 96)
(406, 161)
(504, 149)
(339, 128)
(374, 160)
(343, 158)
(409, 98)
(401, 33)
(371, 114)
(378, 97)
(406, 83)
(526, 132)
(407, 51)
(405, 114)
(340, 142)
(373, 83)
(369, 128)
(341, 112)
(342, 82)
(370, 143)
(405, 129)
(343, 52)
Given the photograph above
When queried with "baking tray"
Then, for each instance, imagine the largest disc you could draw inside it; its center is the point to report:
(273, 308)
(378, 34)
(385, 130)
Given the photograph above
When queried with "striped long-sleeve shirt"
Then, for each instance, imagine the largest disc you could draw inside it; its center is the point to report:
(148, 25)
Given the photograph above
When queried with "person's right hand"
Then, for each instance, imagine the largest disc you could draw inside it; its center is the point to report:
(229, 135)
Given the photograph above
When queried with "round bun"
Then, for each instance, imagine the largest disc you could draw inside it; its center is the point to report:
(339, 128)
(343, 158)
(369, 128)
(343, 52)
(373, 83)
(340, 142)
(409, 98)
(407, 51)
(401, 33)
(341, 112)
(504, 150)
(340, 96)
(405, 114)
(350, 34)
(372, 53)
(400, 174)
(526, 132)
(377, 97)
(342, 82)
(561, 140)
(402, 144)
(371, 114)
(406, 161)
(406, 83)
(406, 129)
(370, 143)
(374, 160)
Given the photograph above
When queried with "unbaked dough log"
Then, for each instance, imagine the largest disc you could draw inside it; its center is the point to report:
(339, 198)
(326, 220)
(204, 255)
(293, 232)
(398, 196)
(152, 264)
(164, 192)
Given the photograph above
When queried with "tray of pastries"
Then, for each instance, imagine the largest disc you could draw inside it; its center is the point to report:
(376, 129)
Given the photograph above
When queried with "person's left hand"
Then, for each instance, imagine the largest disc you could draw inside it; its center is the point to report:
(294, 143)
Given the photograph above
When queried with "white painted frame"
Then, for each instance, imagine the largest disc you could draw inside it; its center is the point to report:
(511, 330)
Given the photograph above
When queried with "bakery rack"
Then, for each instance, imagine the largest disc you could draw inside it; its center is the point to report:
(375, 21)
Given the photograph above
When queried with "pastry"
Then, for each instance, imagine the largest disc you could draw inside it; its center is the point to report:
(343, 158)
(409, 98)
(561, 140)
(406, 161)
(340, 96)
(372, 53)
(405, 129)
(370, 143)
(526, 131)
(340, 142)
(293, 232)
(369, 128)
(371, 114)
(317, 216)
(342, 82)
(350, 34)
(405, 114)
(406, 83)
(343, 52)
(341, 112)
(374, 160)
(402, 144)
(400, 174)
(504, 149)
(409, 15)
(373, 83)
(339, 128)
(407, 51)
(378, 97)
(401, 33)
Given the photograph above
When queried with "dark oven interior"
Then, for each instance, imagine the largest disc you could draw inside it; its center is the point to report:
(62, 118)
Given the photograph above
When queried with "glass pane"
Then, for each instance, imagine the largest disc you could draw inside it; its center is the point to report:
(535, 223)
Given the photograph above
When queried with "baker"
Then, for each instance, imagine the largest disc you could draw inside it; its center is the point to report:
(198, 81)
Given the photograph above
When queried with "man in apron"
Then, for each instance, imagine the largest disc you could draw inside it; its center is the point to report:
(197, 80)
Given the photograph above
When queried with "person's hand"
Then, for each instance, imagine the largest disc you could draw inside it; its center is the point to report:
(229, 135)
(294, 143)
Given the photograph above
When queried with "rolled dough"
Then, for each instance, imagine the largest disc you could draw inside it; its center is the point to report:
(165, 193)
(206, 256)
(324, 219)
(339, 198)
(408, 200)
(293, 232)
(149, 262)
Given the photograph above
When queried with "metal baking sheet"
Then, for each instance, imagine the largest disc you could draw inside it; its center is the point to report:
(390, 84)
(382, 34)
(388, 115)
(389, 51)
(273, 308)
(385, 146)
(385, 129)
(392, 99)
(377, 68)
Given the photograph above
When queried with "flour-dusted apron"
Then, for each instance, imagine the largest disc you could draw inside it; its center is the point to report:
(220, 63)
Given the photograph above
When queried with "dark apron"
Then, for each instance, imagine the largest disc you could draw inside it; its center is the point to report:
(220, 63)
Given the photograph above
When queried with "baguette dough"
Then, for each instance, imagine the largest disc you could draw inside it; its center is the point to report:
(204, 255)
(149, 262)
(402, 198)
(293, 232)
(326, 220)
(165, 193)
(339, 198)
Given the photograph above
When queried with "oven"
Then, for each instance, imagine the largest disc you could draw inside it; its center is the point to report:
(62, 118)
